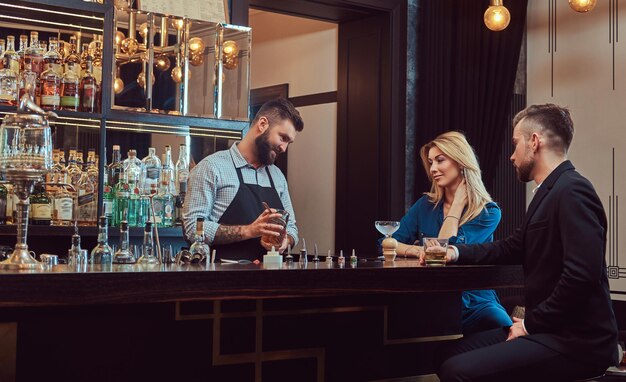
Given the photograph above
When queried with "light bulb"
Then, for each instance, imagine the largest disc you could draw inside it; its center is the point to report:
(141, 79)
(497, 17)
(196, 59)
(129, 46)
(179, 24)
(582, 6)
(162, 63)
(118, 85)
(196, 45)
(143, 30)
(230, 48)
(119, 37)
(177, 74)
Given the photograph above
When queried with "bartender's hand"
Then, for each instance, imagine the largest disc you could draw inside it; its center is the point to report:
(262, 226)
(450, 254)
(283, 246)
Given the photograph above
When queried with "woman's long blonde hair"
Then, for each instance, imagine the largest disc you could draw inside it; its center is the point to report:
(454, 145)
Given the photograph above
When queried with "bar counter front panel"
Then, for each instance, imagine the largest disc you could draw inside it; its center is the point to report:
(234, 322)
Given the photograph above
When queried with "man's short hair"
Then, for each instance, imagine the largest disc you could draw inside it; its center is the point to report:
(552, 120)
(278, 110)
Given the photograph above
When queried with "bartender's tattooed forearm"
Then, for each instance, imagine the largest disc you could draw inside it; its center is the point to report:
(227, 234)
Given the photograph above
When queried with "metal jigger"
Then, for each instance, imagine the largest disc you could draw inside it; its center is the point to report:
(25, 158)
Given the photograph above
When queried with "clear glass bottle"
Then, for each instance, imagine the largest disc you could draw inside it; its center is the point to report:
(80, 159)
(88, 89)
(86, 202)
(52, 58)
(53, 176)
(92, 169)
(123, 255)
(84, 52)
(35, 53)
(62, 176)
(151, 176)
(50, 89)
(74, 171)
(63, 207)
(164, 202)
(168, 168)
(182, 168)
(9, 74)
(22, 51)
(28, 78)
(199, 249)
(147, 248)
(102, 252)
(132, 174)
(40, 206)
(70, 97)
(3, 47)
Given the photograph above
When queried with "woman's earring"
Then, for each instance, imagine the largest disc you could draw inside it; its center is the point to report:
(463, 171)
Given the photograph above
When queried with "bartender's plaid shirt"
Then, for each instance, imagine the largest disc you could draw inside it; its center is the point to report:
(213, 184)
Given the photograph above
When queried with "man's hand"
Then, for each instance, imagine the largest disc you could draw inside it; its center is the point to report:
(450, 254)
(262, 226)
(414, 251)
(516, 330)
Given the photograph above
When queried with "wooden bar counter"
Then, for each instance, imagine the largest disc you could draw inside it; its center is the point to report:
(234, 322)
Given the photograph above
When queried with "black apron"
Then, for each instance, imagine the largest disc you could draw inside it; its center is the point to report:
(243, 210)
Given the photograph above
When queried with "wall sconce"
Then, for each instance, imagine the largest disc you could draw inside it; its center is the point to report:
(231, 54)
(582, 6)
(497, 17)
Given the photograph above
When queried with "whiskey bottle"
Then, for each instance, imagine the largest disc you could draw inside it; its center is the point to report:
(28, 78)
(72, 57)
(102, 252)
(40, 206)
(52, 58)
(35, 53)
(74, 172)
(63, 207)
(86, 202)
(88, 89)
(22, 51)
(70, 97)
(9, 73)
(50, 89)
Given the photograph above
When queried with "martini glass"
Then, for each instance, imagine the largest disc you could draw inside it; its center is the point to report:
(387, 228)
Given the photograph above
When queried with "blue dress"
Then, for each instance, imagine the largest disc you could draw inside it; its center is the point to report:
(481, 308)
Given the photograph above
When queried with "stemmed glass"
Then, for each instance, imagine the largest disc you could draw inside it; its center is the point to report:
(387, 228)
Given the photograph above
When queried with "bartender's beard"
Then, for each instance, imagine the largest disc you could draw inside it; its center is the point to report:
(266, 154)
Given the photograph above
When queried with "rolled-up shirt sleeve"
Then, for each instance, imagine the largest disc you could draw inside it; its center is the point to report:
(283, 192)
(201, 187)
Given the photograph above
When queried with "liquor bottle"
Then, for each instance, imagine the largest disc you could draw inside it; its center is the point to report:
(70, 97)
(123, 254)
(132, 174)
(84, 52)
(22, 51)
(132, 158)
(108, 199)
(40, 206)
(61, 171)
(95, 47)
(86, 202)
(62, 207)
(147, 248)
(116, 168)
(182, 168)
(50, 89)
(92, 170)
(74, 172)
(102, 252)
(28, 78)
(168, 168)
(3, 46)
(72, 57)
(75, 253)
(122, 197)
(88, 89)
(34, 53)
(164, 202)
(53, 176)
(3, 204)
(9, 73)
(151, 176)
(80, 159)
(199, 249)
(52, 58)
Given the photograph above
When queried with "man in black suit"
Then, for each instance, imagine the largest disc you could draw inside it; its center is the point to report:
(569, 330)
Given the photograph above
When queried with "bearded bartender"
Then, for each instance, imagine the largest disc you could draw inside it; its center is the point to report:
(228, 188)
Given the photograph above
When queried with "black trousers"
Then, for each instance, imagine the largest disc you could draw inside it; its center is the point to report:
(487, 356)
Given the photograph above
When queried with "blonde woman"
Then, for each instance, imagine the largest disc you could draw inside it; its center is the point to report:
(459, 208)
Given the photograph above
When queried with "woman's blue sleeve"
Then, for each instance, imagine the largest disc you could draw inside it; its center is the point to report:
(481, 228)
(409, 226)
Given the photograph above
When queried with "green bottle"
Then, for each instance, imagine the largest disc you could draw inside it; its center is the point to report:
(108, 200)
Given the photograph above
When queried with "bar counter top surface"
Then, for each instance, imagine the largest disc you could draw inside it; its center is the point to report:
(130, 284)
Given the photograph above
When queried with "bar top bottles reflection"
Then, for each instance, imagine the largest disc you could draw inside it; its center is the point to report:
(63, 75)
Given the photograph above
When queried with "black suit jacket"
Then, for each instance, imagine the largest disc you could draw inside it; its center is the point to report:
(561, 245)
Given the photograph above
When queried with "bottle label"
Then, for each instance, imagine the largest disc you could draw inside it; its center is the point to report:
(63, 208)
(50, 100)
(70, 101)
(85, 198)
(152, 173)
(167, 210)
(183, 175)
(107, 207)
(41, 211)
(89, 95)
